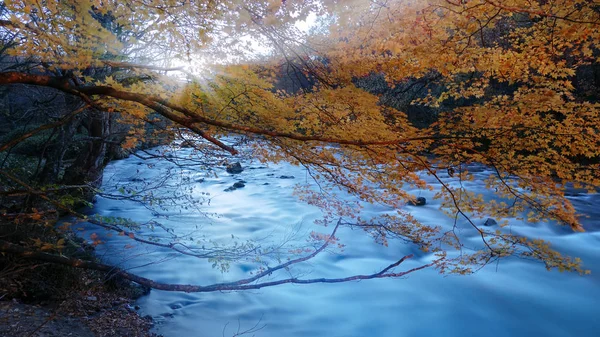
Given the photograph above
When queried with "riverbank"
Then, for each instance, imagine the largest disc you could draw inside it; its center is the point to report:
(39, 300)
(103, 314)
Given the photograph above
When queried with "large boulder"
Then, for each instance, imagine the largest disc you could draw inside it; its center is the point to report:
(234, 168)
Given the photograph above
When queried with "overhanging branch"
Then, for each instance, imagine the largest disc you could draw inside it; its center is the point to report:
(7, 247)
(243, 284)
(191, 119)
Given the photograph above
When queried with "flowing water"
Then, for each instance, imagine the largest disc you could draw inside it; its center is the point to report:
(512, 298)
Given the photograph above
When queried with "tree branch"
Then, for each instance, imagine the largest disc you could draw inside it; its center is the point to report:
(7, 247)
(151, 102)
(127, 65)
(190, 119)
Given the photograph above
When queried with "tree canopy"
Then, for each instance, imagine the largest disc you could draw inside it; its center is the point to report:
(513, 85)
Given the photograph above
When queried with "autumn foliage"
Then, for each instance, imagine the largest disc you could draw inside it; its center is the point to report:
(510, 92)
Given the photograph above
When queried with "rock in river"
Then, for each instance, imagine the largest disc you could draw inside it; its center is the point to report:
(420, 201)
(234, 168)
(490, 222)
(235, 186)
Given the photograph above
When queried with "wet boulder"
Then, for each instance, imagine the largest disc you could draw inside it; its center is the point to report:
(235, 186)
(234, 168)
(490, 222)
(239, 184)
(420, 201)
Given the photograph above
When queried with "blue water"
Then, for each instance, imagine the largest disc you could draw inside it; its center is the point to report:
(512, 298)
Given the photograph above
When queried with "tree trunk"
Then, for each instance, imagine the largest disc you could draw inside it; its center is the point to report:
(88, 166)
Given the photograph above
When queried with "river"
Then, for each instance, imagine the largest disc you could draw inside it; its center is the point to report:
(512, 298)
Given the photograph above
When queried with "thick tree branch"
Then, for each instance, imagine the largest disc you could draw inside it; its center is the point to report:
(148, 101)
(190, 119)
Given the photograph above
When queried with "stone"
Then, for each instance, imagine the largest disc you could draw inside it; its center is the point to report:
(91, 298)
(287, 177)
(234, 168)
(420, 201)
(490, 222)
(235, 186)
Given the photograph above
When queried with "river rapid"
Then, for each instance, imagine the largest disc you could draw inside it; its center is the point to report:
(512, 298)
